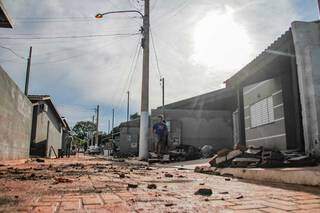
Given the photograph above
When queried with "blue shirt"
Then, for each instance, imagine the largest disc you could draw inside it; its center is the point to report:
(160, 129)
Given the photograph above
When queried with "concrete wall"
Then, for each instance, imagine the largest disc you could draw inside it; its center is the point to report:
(306, 37)
(15, 120)
(272, 134)
(201, 127)
(48, 130)
(129, 140)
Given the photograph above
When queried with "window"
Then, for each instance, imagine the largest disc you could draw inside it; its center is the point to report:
(262, 112)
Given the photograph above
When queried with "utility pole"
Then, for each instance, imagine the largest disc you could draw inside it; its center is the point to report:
(108, 126)
(144, 117)
(92, 118)
(26, 86)
(97, 126)
(112, 124)
(162, 84)
(319, 7)
(128, 106)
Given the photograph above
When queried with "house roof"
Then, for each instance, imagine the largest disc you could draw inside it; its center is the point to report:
(5, 20)
(277, 49)
(221, 99)
(131, 123)
(35, 99)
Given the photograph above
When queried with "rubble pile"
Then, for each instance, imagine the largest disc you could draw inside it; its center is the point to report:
(259, 157)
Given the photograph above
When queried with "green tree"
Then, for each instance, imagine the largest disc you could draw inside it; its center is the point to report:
(83, 128)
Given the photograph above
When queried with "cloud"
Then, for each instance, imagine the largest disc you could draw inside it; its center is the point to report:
(199, 45)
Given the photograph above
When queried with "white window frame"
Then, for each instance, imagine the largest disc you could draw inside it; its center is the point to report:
(261, 112)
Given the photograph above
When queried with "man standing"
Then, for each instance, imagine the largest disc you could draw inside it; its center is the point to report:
(160, 130)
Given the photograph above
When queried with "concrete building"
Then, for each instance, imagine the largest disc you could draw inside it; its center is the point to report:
(47, 127)
(278, 93)
(15, 120)
(201, 120)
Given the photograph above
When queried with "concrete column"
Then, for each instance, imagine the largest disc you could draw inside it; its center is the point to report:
(306, 38)
(241, 124)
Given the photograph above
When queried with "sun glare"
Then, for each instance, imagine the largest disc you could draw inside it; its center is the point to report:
(220, 42)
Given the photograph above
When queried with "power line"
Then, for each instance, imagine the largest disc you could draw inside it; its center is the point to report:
(13, 52)
(155, 54)
(132, 67)
(72, 37)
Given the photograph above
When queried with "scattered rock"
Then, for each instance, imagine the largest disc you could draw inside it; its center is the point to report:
(152, 186)
(168, 204)
(39, 160)
(227, 179)
(201, 184)
(132, 185)
(207, 199)
(61, 180)
(168, 175)
(204, 192)
(223, 193)
(239, 197)
(121, 175)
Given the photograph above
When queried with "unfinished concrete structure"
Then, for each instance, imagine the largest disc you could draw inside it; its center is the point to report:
(129, 137)
(47, 127)
(201, 120)
(278, 93)
(15, 120)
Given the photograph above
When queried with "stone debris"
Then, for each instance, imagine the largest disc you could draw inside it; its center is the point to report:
(132, 185)
(204, 192)
(251, 157)
(152, 186)
(40, 160)
(58, 180)
(168, 175)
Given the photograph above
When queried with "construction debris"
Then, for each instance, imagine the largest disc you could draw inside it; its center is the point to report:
(152, 186)
(257, 157)
(132, 185)
(61, 180)
(204, 192)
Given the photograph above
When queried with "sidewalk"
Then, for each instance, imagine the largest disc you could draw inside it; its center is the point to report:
(88, 184)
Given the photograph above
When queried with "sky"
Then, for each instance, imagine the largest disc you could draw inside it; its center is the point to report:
(82, 61)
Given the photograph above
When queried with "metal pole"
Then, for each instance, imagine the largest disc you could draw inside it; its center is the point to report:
(97, 127)
(162, 84)
(144, 117)
(319, 7)
(112, 124)
(108, 126)
(26, 86)
(128, 106)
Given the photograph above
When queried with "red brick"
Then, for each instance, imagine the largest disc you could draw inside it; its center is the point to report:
(309, 206)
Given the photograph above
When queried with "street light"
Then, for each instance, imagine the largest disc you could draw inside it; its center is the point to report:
(144, 116)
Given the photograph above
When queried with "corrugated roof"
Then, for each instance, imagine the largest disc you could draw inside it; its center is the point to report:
(5, 20)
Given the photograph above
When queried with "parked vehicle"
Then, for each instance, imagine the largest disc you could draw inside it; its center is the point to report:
(94, 150)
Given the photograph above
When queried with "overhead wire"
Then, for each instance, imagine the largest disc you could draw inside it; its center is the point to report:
(132, 66)
(155, 54)
(71, 37)
(13, 52)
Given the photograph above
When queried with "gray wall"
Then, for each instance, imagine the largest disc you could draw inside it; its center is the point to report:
(49, 129)
(306, 37)
(201, 127)
(129, 140)
(15, 120)
(271, 135)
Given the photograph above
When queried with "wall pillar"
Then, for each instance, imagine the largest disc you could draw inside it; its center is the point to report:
(241, 124)
(306, 37)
